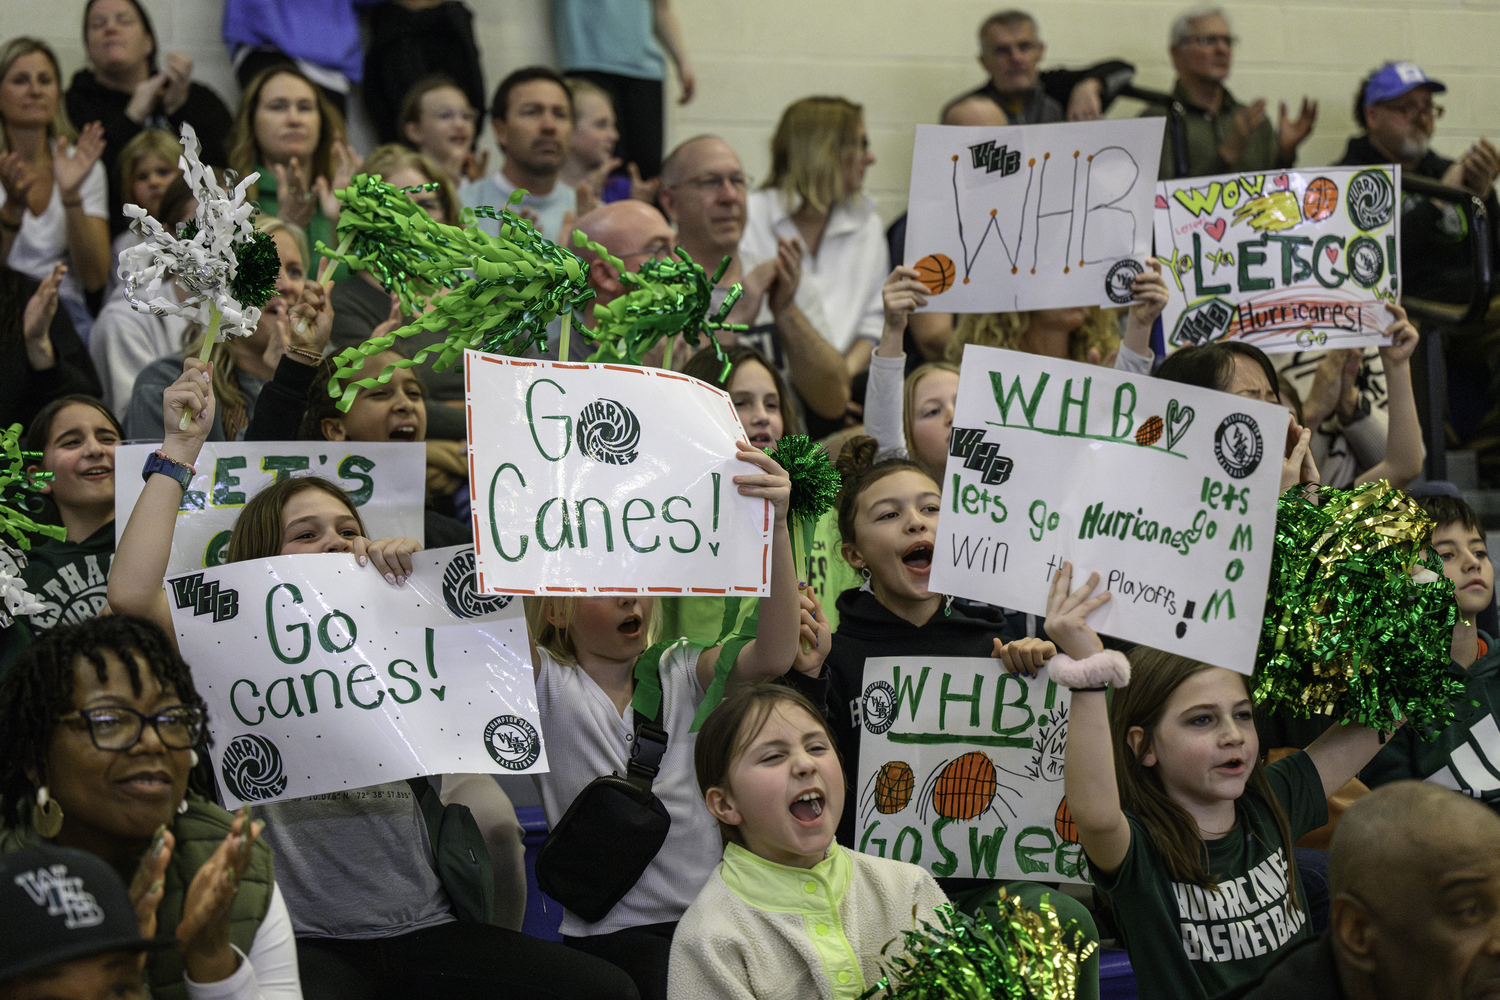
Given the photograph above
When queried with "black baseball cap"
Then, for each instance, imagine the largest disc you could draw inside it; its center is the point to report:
(57, 905)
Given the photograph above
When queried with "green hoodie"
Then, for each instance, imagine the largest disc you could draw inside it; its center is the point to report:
(1464, 756)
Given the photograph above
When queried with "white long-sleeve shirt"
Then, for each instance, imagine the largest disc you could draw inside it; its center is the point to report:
(269, 972)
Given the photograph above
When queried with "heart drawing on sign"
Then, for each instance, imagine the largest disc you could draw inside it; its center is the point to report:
(1215, 228)
(1283, 181)
(1179, 419)
(1333, 255)
(1161, 202)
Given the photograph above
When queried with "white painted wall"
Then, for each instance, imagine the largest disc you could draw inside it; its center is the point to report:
(902, 61)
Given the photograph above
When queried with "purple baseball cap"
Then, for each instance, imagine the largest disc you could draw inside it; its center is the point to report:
(1395, 79)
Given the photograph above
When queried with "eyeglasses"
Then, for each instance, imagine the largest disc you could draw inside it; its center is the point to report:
(657, 252)
(1209, 41)
(119, 728)
(709, 183)
(1413, 109)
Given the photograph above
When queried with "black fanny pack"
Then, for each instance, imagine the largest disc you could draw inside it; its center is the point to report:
(603, 844)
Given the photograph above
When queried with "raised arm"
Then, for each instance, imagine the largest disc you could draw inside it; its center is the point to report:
(145, 546)
(903, 292)
(1404, 450)
(1341, 753)
(1150, 297)
(1089, 760)
(774, 648)
(818, 371)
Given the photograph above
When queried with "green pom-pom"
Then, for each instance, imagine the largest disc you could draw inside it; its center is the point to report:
(19, 489)
(1008, 953)
(1348, 632)
(255, 278)
(815, 482)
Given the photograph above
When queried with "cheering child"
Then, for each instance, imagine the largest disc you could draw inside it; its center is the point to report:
(788, 913)
(371, 914)
(1184, 829)
(585, 652)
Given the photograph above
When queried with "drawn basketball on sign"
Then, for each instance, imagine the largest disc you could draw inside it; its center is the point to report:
(893, 786)
(936, 271)
(1149, 432)
(1321, 199)
(964, 787)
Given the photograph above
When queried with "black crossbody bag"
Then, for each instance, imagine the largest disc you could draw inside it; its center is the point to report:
(603, 844)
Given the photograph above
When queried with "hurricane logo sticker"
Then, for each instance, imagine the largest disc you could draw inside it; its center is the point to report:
(513, 742)
(608, 432)
(461, 595)
(1371, 199)
(252, 768)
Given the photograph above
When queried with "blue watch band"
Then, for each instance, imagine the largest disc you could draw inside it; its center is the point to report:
(157, 462)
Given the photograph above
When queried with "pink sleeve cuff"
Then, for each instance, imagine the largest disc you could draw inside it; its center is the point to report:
(1108, 667)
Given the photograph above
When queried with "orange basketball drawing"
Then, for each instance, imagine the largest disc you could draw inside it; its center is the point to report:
(1321, 200)
(893, 785)
(937, 272)
(1149, 432)
(966, 787)
(1066, 828)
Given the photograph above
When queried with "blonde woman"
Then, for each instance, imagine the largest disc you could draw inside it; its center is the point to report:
(54, 198)
(1080, 333)
(814, 197)
(242, 366)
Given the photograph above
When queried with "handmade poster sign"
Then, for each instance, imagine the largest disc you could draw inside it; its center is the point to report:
(1034, 216)
(961, 769)
(384, 479)
(1289, 260)
(322, 677)
(609, 479)
(1167, 491)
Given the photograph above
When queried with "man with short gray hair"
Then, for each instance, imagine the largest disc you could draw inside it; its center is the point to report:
(1011, 52)
(1213, 132)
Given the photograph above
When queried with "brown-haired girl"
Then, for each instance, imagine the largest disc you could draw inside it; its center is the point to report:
(887, 517)
(370, 913)
(788, 912)
(1185, 831)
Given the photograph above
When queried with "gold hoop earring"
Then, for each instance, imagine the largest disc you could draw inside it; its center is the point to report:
(46, 815)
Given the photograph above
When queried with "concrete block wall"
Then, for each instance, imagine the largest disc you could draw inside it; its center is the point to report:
(903, 61)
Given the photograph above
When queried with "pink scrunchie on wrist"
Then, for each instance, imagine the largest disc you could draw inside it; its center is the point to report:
(1107, 667)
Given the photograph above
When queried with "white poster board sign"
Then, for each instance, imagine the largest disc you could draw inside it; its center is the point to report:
(609, 479)
(386, 480)
(961, 769)
(1168, 491)
(1032, 216)
(321, 677)
(1290, 260)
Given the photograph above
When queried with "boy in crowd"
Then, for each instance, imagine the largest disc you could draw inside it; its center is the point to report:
(1466, 755)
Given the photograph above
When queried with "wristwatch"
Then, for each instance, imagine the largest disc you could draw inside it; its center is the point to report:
(157, 462)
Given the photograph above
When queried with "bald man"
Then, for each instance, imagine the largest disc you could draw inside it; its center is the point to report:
(631, 230)
(1414, 873)
(703, 188)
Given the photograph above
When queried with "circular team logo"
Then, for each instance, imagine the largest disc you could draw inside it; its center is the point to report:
(1371, 199)
(608, 432)
(1366, 261)
(1237, 445)
(461, 593)
(878, 707)
(513, 742)
(252, 768)
(1117, 282)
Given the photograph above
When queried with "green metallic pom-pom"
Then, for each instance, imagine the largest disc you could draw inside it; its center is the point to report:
(1349, 631)
(1010, 953)
(255, 278)
(815, 482)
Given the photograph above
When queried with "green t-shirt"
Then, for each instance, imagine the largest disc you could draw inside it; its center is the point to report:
(70, 578)
(1464, 756)
(829, 573)
(1187, 943)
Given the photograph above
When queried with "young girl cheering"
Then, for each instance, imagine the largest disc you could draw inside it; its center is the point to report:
(788, 913)
(1184, 829)
(584, 655)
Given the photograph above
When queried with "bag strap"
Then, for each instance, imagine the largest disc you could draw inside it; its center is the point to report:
(432, 809)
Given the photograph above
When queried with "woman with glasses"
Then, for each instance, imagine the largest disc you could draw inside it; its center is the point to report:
(438, 121)
(100, 730)
(814, 195)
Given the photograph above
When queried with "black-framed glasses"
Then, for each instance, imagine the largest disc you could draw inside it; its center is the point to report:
(116, 727)
(1209, 41)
